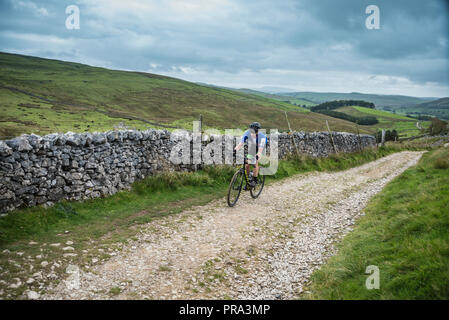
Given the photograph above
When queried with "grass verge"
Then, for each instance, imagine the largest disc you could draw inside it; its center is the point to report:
(404, 233)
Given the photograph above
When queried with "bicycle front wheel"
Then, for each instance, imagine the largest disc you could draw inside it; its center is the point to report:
(235, 187)
(255, 192)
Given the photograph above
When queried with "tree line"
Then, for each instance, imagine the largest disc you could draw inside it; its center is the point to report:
(331, 105)
(328, 108)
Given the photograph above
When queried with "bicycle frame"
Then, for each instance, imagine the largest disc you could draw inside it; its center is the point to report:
(238, 187)
(245, 159)
(243, 166)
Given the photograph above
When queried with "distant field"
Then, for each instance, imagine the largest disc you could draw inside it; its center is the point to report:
(43, 96)
(433, 112)
(382, 114)
(394, 101)
(296, 101)
(301, 102)
(405, 126)
(435, 108)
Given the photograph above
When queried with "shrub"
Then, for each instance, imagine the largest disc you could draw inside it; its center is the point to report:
(441, 163)
(65, 209)
(220, 173)
(389, 135)
(438, 127)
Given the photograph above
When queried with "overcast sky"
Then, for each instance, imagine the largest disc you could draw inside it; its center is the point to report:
(305, 45)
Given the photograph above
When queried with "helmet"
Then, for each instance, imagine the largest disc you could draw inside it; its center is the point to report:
(255, 125)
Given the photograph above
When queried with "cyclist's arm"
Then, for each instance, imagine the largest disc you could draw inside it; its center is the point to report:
(261, 147)
(259, 154)
(237, 148)
(242, 141)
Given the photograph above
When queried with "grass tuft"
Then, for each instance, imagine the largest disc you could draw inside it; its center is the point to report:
(441, 163)
(115, 291)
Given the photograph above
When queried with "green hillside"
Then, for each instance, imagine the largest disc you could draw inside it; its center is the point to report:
(292, 100)
(379, 100)
(42, 96)
(437, 108)
(405, 126)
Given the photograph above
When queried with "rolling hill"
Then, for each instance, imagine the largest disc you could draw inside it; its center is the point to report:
(393, 101)
(405, 126)
(291, 100)
(437, 108)
(442, 103)
(42, 96)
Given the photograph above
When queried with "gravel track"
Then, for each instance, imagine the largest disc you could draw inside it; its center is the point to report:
(261, 249)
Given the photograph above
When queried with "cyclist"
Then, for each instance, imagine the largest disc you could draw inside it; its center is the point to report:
(256, 142)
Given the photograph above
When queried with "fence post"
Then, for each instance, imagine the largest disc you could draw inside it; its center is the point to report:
(332, 138)
(383, 138)
(292, 135)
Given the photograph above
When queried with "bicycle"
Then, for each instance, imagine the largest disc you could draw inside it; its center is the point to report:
(237, 182)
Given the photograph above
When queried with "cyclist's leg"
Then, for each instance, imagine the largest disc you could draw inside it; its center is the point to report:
(247, 168)
(256, 169)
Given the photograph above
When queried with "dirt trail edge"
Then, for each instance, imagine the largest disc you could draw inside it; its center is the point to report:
(261, 249)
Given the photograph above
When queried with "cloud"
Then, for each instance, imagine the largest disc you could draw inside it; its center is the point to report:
(223, 42)
(331, 81)
(31, 6)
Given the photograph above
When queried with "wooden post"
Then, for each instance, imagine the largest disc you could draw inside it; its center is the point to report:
(383, 138)
(291, 135)
(201, 123)
(332, 138)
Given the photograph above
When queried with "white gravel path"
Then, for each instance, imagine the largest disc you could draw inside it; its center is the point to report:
(261, 249)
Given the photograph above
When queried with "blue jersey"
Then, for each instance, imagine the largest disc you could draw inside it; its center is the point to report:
(261, 138)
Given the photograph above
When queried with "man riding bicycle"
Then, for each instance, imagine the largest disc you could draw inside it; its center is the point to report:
(256, 143)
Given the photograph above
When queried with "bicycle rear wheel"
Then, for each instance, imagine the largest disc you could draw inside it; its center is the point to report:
(235, 187)
(255, 192)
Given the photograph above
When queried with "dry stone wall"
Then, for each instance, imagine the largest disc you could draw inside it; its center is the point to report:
(38, 170)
